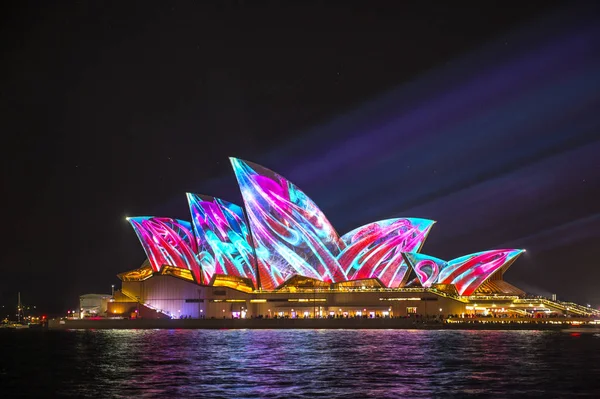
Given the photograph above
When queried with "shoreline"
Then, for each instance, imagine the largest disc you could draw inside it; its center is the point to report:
(279, 324)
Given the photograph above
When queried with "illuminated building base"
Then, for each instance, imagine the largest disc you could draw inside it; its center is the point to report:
(170, 296)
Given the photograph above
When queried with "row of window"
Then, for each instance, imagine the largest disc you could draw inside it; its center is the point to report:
(196, 300)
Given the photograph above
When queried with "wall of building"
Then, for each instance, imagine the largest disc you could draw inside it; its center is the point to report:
(133, 310)
(357, 303)
(179, 298)
(91, 305)
(169, 295)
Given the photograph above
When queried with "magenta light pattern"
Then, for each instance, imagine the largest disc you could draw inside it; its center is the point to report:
(167, 242)
(286, 234)
(222, 238)
(375, 250)
(467, 273)
(427, 268)
(290, 234)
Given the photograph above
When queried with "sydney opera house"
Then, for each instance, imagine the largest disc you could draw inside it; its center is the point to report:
(278, 255)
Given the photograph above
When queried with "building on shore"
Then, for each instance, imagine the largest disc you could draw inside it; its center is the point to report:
(93, 305)
(278, 256)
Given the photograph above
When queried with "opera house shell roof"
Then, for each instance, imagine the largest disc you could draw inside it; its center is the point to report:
(280, 234)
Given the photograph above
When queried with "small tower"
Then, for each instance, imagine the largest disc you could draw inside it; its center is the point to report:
(19, 309)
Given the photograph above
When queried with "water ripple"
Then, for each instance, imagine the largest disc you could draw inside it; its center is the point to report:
(299, 364)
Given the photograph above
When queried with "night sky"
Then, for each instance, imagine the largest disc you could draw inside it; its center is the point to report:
(484, 117)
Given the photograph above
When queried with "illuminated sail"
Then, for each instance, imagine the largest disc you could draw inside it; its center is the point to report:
(222, 238)
(167, 242)
(467, 273)
(290, 233)
(375, 250)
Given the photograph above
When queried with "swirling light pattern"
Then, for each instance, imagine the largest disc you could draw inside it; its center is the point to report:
(222, 238)
(167, 242)
(290, 233)
(427, 268)
(375, 250)
(467, 273)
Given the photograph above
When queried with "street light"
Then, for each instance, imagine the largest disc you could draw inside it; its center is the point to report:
(112, 290)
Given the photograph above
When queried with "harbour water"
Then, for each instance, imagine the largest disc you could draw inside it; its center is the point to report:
(299, 364)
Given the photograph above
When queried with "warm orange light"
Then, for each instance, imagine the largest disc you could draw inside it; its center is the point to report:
(234, 282)
(184, 274)
(143, 273)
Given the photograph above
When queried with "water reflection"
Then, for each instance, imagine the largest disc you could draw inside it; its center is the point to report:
(304, 363)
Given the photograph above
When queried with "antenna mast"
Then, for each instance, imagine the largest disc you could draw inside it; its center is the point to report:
(19, 308)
